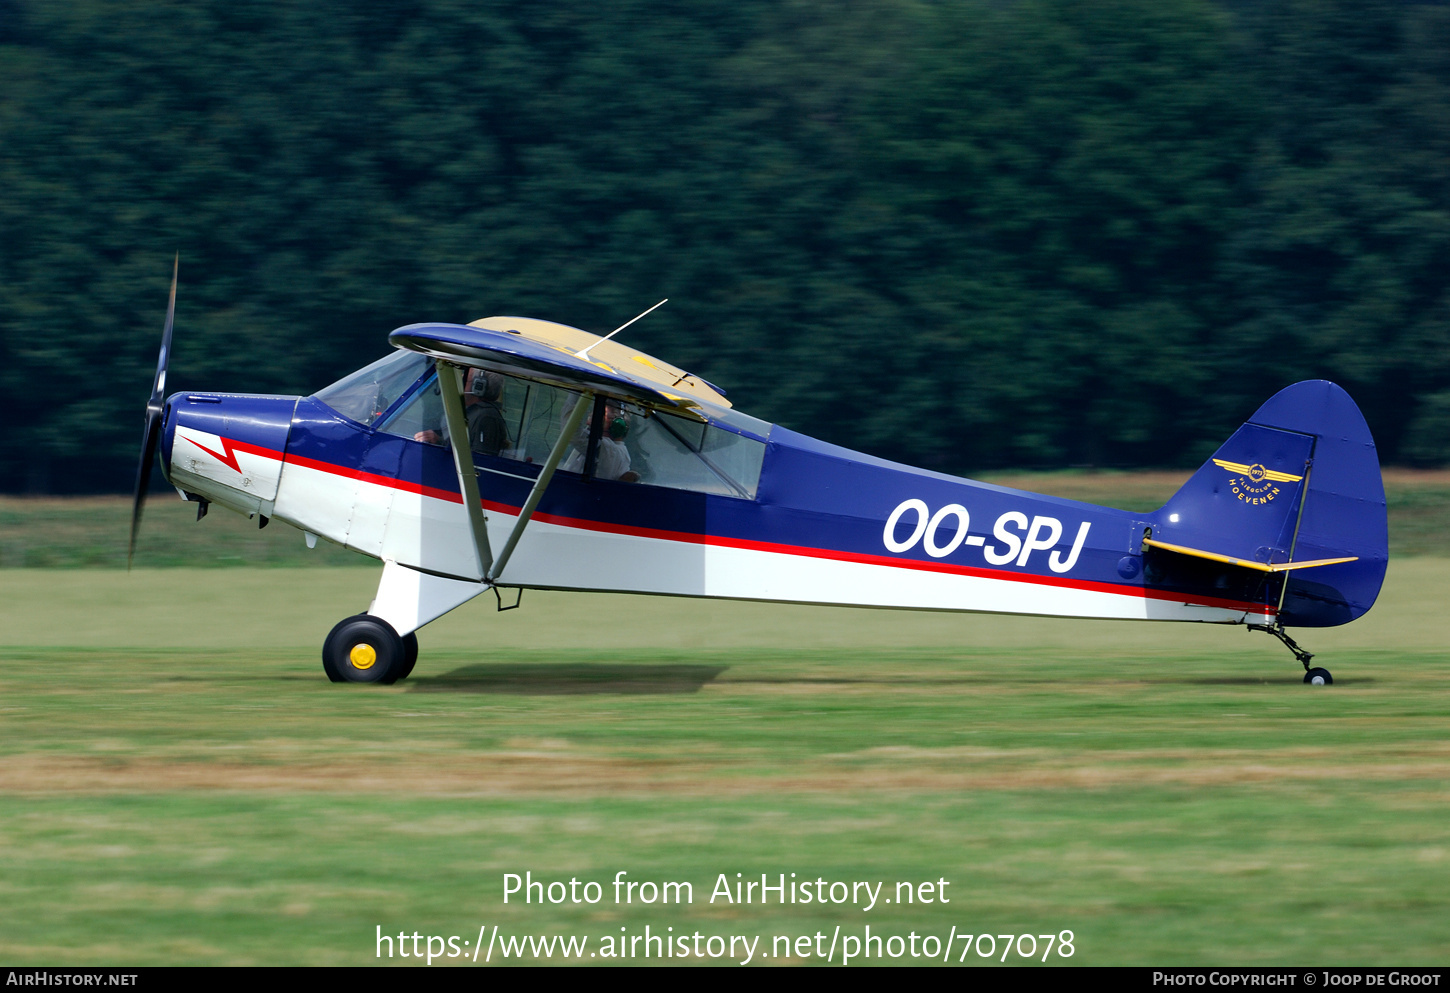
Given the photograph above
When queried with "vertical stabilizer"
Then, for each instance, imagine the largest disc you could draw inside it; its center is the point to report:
(1299, 481)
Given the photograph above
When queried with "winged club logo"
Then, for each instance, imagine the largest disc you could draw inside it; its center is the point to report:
(1254, 484)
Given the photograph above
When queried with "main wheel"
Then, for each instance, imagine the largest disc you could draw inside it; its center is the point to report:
(410, 655)
(363, 649)
(1318, 677)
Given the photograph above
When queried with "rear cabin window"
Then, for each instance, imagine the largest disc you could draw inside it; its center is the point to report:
(669, 450)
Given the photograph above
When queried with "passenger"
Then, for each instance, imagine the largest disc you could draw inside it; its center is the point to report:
(612, 461)
(483, 409)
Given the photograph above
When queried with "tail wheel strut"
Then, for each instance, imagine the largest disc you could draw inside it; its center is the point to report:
(1315, 676)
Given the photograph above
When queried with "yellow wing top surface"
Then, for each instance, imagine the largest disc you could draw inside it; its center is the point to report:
(611, 356)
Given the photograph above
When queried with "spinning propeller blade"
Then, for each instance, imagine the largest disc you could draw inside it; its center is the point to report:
(154, 407)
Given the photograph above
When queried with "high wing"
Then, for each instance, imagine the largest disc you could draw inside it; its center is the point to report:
(550, 353)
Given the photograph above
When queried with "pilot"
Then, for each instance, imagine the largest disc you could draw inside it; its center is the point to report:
(487, 432)
(483, 409)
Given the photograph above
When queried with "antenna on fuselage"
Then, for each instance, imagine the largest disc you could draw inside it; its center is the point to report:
(584, 353)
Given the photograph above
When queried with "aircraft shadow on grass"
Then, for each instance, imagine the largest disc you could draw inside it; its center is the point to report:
(1249, 681)
(554, 679)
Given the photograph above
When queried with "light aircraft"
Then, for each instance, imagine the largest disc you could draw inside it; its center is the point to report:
(570, 461)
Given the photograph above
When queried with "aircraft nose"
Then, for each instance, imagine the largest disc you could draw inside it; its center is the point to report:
(232, 440)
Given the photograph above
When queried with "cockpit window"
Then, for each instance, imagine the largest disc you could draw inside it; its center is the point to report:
(367, 394)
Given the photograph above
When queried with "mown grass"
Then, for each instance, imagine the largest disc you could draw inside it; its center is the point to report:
(88, 532)
(179, 784)
(51, 532)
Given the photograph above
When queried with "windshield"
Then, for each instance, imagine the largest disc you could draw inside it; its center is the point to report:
(367, 394)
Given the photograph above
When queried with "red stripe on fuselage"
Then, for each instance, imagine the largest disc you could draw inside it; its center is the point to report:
(228, 455)
(371, 477)
(1087, 585)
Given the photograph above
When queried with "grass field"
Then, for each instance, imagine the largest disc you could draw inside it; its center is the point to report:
(179, 783)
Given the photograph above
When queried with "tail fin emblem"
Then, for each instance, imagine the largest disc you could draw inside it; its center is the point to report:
(1255, 484)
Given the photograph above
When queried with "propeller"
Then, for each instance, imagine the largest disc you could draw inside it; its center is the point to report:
(154, 408)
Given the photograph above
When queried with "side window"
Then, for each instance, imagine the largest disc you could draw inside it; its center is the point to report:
(532, 415)
(535, 414)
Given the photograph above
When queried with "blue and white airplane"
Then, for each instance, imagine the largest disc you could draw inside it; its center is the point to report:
(573, 462)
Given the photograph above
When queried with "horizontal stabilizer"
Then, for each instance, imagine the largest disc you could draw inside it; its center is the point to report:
(1246, 563)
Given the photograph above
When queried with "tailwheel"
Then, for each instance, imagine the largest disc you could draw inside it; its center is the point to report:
(1318, 677)
(364, 649)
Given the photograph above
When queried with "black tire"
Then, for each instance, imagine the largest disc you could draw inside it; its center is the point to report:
(363, 649)
(410, 655)
(1322, 675)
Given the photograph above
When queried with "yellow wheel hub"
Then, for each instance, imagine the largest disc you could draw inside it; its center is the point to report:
(362, 656)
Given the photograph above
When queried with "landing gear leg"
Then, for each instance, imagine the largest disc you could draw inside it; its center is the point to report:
(1315, 676)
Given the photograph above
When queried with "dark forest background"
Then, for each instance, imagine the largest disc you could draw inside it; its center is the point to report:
(968, 235)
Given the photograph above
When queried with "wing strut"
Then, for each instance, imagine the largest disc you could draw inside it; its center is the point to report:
(556, 455)
(448, 376)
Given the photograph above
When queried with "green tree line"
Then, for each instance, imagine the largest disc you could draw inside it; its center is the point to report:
(966, 235)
